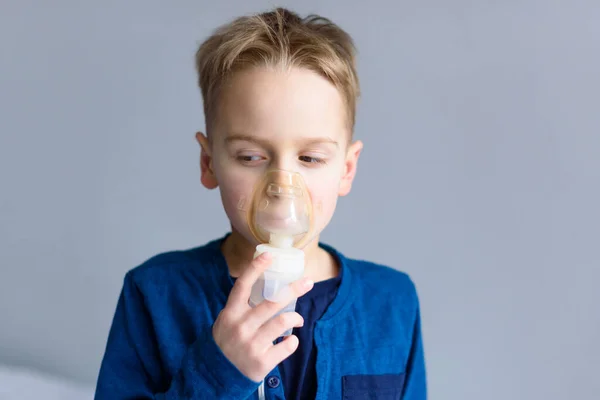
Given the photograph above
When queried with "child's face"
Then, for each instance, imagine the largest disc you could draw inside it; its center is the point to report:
(293, 120)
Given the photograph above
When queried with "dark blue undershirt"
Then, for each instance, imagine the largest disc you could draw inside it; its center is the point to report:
(298, 371)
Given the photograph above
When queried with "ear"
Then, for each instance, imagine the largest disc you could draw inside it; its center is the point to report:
(207, 177)
(350, 165)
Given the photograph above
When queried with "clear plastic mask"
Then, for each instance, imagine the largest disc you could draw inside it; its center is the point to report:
(280, 210)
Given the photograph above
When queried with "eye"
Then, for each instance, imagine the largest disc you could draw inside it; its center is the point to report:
(311, 160)
(249, 159)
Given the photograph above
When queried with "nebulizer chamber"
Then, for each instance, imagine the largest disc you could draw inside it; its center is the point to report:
(279, 215)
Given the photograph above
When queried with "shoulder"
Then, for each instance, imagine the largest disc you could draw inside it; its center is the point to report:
(174, 265)
(380, 295)
(383, 279)
(170, 287)
(374, 284)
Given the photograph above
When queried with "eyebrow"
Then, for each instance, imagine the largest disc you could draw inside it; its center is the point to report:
(252, 139)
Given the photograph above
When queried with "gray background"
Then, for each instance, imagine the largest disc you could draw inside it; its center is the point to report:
(480, 175)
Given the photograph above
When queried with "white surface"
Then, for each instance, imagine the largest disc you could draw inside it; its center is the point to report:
(24, 384)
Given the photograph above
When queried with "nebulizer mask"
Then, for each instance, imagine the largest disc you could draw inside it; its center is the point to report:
(280, 216)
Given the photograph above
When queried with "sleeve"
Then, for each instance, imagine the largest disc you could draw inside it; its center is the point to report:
(415, 387)
(131, 366)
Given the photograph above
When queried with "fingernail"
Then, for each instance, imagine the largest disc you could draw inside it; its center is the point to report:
(264, 256)
(308, 283)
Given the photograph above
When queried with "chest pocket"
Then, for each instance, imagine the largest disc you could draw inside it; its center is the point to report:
(372, 387)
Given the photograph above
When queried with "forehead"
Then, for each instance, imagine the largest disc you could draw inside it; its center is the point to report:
(281, 104)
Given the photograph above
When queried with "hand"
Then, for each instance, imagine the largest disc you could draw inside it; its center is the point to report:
(246, 335)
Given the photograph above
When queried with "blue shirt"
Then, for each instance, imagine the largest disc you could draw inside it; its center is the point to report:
(160, 345)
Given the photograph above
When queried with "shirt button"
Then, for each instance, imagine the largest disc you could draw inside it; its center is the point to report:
(273, 382)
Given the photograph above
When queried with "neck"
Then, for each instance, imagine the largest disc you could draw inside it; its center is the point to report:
(238, 252)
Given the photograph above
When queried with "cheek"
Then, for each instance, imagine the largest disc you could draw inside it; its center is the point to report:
(232, 192)
(324, 194)
(324, 183)
(233, 183)
(234, 187)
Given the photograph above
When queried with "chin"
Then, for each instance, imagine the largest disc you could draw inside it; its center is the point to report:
(243, 232)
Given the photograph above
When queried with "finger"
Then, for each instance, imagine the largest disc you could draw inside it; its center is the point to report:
(276, 326)
(243, 285)
(267, 309)
(283, 349)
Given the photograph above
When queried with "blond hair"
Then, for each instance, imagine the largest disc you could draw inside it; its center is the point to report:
(278, 38)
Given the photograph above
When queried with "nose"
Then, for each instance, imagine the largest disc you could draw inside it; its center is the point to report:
(276, 191)
(283, 184)
(284, 160)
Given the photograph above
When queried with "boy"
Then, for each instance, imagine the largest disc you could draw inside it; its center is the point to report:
(279, 93)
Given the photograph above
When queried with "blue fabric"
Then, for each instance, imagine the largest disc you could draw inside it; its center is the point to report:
(160, 344)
